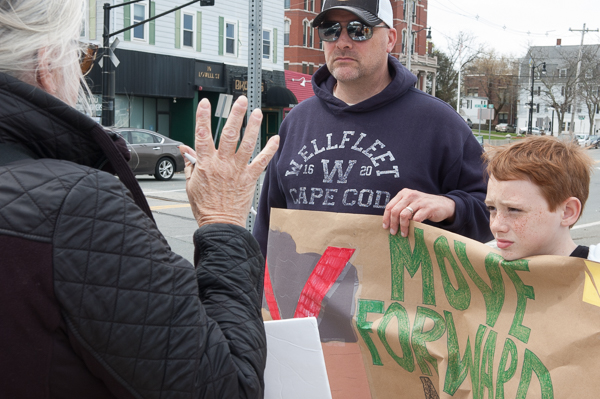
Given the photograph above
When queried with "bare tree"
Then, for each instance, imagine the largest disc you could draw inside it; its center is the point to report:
(558, 88)
(589, 82)
(461, 51)
(496, 78)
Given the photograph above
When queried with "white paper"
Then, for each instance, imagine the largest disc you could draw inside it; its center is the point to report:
(295, 364)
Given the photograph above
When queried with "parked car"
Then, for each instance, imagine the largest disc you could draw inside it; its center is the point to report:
(469, 122)
(534, 130)
(505, 127)
(594, 141)
(583, 139)
(152, 153)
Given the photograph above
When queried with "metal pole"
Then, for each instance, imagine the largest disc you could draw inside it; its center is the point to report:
(254, 80)
(574, 106)
(409, 38)
(108, 84)
(529, 125)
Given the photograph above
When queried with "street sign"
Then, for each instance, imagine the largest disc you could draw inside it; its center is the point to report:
(223, 106)
(491, 106)
(480, 105)
(581, 117)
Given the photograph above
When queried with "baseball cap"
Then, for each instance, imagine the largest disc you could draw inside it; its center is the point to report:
(371, 12)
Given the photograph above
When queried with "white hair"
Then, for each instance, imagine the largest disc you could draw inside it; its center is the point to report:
(30, 28)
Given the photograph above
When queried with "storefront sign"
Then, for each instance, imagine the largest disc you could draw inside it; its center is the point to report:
(209, 75)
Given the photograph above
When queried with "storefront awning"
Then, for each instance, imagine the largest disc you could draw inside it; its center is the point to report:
(280, 97)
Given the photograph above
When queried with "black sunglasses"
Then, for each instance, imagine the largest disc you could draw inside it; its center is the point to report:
(357, 31)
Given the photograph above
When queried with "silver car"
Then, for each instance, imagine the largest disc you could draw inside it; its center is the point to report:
(152, 153)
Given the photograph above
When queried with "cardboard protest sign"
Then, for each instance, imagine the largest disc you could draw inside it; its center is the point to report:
(434, 315)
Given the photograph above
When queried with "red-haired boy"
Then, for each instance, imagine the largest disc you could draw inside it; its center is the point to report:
(536, 192)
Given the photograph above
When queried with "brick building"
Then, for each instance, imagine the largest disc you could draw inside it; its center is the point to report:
(303, 51)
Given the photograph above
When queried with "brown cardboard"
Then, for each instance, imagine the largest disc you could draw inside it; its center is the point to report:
(532, 335)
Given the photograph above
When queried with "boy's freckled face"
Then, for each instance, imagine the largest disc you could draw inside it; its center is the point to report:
(520, 219)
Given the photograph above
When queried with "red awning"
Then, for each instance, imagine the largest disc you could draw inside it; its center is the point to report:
(300, 84)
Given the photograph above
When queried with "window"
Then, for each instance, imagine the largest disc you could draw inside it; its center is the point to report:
(311, 69)
(286, 33)
(266, 44)
(286, 65)
(562, 90)
(589, 74)
(469, 104)
(84, 23)
(139, 14)
(539, 90)
(286, 4)
(414, 12)
(188, 30)
(305, 33)
(563, 73)
(537, 108)
(404, 10)
(309, 33)
(230, 38)
(304, 67)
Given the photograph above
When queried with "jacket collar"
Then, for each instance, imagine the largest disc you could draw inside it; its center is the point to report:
(49, 128)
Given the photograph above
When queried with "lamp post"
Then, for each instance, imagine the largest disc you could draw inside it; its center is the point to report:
(543, 72)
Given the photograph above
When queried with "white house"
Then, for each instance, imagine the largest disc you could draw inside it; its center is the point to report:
(168, 65)
(554, 88)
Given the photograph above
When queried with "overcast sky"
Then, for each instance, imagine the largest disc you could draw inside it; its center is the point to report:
(511, 26)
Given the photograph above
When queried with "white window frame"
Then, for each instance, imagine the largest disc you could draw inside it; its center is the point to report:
(268, 56)
(144, 27)
(85, 22)
(183, 30)
(305, 33)
(560, 73)
(287, 25)
(235, 38)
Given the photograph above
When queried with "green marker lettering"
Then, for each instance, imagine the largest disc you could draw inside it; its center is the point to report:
(364, 327)
(398, 312)
(494, 296)
(487, 366)
(457, 368)
(420, 337)
(458, 298)
(533, 364)
(505, 374)
(524, 292)
(402, 256)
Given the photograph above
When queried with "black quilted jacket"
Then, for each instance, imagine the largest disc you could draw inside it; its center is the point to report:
(93, 303)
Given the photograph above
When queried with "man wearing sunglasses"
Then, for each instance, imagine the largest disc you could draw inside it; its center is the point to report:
(371, 143)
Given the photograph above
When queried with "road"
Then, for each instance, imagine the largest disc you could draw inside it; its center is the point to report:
(173, 214)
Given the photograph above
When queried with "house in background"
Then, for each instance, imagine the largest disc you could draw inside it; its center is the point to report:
(499, 90)
(168, 65)
(561, 103)
(469, 108)
(303, 50)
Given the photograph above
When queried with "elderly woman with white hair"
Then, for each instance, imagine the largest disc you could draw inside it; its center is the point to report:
(93, 303)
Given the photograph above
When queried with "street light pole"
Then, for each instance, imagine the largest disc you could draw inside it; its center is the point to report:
(108, 74)
(543, 72)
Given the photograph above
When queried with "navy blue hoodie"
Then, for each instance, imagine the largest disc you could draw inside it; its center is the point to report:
(355, 158)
